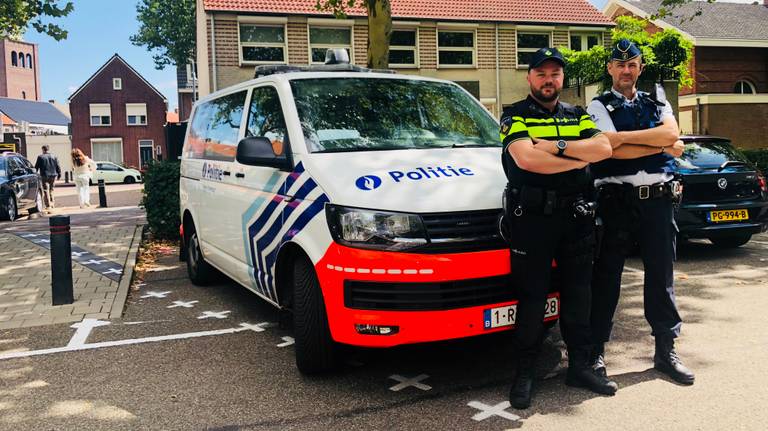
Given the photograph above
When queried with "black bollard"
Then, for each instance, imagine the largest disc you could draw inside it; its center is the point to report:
(61, 260)
(102, 195)
(66, 177)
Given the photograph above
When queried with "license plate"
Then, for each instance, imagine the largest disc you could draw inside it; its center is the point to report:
(727, 215)
(498, 317)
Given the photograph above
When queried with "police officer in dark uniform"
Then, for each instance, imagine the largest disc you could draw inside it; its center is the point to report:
(548, 215)
(636, 195)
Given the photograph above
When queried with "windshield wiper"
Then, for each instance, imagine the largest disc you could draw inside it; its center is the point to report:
(457, 145)
(349, 150)
(731, 163)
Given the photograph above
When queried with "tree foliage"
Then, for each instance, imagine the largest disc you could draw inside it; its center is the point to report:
(168, 28)
(17, 15)
(667, 8)
(379, 25)
(666, 55)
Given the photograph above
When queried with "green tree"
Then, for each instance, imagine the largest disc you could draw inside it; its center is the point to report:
(17, 15)
(168, 28)
(379, 25)
(667, 7)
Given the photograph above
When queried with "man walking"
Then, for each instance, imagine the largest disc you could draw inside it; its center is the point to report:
(547, 146)
(636, 195)
(48, 166)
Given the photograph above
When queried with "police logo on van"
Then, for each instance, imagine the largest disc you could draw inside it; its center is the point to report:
(212, 172)
(368, 182)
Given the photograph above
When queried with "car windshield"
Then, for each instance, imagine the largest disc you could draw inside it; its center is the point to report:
(368, 114)
(709, 154)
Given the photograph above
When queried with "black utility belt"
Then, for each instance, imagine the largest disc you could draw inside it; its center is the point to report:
(540, 200)
(669, 189)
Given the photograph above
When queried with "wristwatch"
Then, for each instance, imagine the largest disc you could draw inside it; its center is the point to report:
(561, 146)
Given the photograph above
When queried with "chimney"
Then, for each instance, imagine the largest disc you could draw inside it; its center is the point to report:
(53, 101)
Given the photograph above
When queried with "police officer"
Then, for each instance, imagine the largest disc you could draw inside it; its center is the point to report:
(547, 146)
(636, 194)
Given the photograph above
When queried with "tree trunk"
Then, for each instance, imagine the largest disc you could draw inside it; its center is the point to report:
(379, 31)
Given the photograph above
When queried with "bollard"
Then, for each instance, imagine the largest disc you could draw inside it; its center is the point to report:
(66, 177)
(102, 195)
(61, 260)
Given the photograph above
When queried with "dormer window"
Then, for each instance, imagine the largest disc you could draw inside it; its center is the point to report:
(117, 83)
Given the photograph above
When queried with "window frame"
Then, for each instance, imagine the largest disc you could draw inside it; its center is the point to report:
(328, 46)
(14, 59)
(128, 116)
(22, 60)
(241, 44)
(90, 115)
(117, 84)
(473, 49)
(108, 140)
(415, 49)
(29, 61)
(518, 50)
(748, 84)
(584, 36)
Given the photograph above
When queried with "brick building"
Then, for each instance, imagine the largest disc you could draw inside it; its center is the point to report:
(19, 71)
(730, 66)
(481, 44)
(118, 116)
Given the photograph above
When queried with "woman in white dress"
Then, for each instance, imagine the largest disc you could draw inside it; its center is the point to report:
(84, 168)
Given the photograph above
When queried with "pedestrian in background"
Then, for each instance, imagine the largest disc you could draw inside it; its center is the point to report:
(47, 166)
(83, 173)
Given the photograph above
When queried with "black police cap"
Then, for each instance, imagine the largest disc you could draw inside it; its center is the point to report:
(625, 50)
(545, 54)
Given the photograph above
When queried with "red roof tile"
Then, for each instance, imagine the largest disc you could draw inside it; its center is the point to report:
(519, 11)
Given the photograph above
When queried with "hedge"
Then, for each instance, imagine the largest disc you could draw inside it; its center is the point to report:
(759, 157)
(161, 199)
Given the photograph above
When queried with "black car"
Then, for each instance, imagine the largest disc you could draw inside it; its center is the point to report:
(725, 198)
(20, 186)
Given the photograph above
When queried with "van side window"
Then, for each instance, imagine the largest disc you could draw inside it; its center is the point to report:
(215, 128)
(265, 118)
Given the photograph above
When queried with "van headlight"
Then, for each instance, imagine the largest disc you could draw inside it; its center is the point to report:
(380, 230)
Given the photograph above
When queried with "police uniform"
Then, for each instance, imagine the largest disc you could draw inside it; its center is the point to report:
(549, 217)
(636, 207)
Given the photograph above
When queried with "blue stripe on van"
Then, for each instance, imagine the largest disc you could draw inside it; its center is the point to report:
(249, 213)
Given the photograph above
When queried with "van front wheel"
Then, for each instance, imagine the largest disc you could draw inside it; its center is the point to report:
(199, 271)
(316, 352)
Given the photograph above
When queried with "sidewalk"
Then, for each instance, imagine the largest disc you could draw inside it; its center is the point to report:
(104, 246)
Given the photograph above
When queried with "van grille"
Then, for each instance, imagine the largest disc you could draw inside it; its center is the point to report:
(462, 232)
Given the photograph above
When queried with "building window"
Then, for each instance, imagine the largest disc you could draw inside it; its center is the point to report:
(117, 83)
(473, 87)
(456, 48)
(321, 39)
(744, 87)
(23, 94)
(29, 61)
(529, 43)
(21, 60)
(402, 48)
(584, 41)
(14, 59)
(107, 150)
(136, 114)
(101, 114)
(262, 44)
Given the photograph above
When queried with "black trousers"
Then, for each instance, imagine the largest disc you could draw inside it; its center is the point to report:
(650, 225)
(535, 240)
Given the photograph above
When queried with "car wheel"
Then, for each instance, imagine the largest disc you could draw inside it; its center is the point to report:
(9, 212)
(731, 241)
(316, 352)
(200, 272)
(38, 208)
(129, 180)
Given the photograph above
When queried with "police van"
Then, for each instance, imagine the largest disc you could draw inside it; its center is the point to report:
(365, 203)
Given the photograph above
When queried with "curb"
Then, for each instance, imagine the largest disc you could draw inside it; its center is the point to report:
(125, 282)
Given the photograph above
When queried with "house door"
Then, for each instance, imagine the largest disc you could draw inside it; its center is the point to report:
(146, 154)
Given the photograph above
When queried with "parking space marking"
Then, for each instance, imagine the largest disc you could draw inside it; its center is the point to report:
(153, 294)
(214, 314)
(288, 341)
(84, 328)
(188, 304)
(489, 411)
(408, 382)
(259, 327)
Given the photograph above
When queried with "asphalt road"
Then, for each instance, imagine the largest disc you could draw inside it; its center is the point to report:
(243, 377)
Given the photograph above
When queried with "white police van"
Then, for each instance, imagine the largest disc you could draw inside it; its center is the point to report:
(365, 203)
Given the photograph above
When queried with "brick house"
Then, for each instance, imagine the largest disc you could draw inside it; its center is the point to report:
(118, 116)
(730, 66)
(19, 71)
(481, 44)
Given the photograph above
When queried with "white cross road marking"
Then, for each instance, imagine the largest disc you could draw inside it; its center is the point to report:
(83, 330)
(95, 262)
(29, 235)
(42, 240)
(259, 327)
(140, 285)
(189, 304)
(79, 253)
(406, 382)
(113, 271)
(153, 294)
(216, 314)
(488, 411)
(288, 341)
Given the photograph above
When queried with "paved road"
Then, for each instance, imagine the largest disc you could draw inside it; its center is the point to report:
(174, 375)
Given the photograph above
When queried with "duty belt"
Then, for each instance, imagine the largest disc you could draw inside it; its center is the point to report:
(654, 191)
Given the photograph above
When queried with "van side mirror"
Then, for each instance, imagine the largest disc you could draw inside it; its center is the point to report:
(258, 151)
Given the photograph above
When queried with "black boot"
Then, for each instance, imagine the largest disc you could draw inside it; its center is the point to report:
(667, 361)
(522, 386)
(597, 360)
(581, 375)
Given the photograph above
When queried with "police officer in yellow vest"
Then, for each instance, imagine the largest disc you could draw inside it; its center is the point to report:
(548, 213)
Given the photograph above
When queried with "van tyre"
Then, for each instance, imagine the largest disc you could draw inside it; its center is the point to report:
(316, 352)
(731, 241)
(200, 272)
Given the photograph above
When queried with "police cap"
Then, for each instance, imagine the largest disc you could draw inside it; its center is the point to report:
(625, 50)
(545, 54)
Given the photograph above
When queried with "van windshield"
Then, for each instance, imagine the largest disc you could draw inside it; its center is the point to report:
(369, 114)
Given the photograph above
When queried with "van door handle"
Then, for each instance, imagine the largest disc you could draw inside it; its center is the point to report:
(227, 173)
(240, 175)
